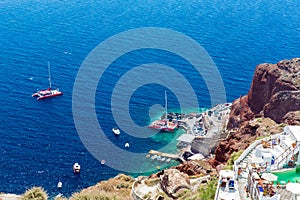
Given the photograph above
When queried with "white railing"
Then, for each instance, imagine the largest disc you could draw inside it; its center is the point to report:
(247, 151)
(250, 148)
(290, 152)
(134, 194)
(218, 189)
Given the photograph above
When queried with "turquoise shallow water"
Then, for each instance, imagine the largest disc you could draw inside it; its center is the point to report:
(39, 141)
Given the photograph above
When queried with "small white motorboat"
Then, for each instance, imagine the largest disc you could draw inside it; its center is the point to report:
(127, 145)
(59, 184)
(116, 131)
(76, 168)
(158, 158)
(153, 157)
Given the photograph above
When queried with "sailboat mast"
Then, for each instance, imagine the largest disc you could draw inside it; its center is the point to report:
(166, 104)
(49, 73)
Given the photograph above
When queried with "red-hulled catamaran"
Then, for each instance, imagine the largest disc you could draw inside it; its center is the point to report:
(48, 93)
(165, 125)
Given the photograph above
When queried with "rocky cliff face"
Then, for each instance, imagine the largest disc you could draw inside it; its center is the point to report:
(190, 168)
(274, 98)
(275, 91)
(173, 180)
(194, 168)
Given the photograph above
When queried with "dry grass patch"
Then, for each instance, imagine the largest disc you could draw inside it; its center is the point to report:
(117, 188)
(152, 181)
(35, 193)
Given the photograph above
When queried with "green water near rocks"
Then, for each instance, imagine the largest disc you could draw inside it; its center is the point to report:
(150, 166)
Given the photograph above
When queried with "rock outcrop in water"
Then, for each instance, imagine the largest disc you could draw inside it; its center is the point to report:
(274, 98)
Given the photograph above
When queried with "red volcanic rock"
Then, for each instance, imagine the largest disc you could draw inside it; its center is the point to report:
(240, 112)
(274, 97)
(153, 176)
(274, 92)
(238, 140)
(194, 167)
(282, 103)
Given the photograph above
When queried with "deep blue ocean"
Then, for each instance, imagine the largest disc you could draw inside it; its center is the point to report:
(39, 142)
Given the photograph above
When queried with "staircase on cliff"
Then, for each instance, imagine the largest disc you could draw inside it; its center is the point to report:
(284, 157)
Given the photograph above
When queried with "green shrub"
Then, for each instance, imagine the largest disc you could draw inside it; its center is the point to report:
(163, 195)
(233, 157)
(183, 194)
(147, 196)
(263, 136)
(124, 177)
(207, 192)
(123, 185)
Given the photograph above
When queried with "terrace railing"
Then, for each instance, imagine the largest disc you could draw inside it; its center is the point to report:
(289, 152)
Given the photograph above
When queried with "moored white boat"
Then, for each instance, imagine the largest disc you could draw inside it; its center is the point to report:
(116, 131)
(76, 168)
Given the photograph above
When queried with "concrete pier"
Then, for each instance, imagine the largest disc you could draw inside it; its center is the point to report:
(167, 155)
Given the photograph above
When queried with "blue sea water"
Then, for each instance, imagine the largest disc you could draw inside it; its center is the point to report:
(39, 141)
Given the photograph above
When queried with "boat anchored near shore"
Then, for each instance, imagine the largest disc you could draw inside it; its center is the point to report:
(165, 125)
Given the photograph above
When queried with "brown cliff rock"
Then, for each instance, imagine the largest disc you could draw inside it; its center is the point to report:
(194, 168)
(173, 180)
(240, 113)
(282, 103)
(274, 92)
(274, 97)
(241, 138)
(292, 118)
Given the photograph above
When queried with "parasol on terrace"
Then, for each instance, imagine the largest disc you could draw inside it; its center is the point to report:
(269, 177)
(227, 173)
(293, 188)
(257, 160)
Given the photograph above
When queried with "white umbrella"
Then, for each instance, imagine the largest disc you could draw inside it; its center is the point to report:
(269, 177)
(227, 173)
(293, 188)
(257, 160)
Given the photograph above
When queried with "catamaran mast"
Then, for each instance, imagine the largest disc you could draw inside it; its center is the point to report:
(166, 104)
(49, 72)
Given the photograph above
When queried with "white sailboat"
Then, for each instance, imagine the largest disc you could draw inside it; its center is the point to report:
(164, 125)
(48, 93)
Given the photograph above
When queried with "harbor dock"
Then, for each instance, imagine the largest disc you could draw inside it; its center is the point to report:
(202, 132)
(166, 155)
